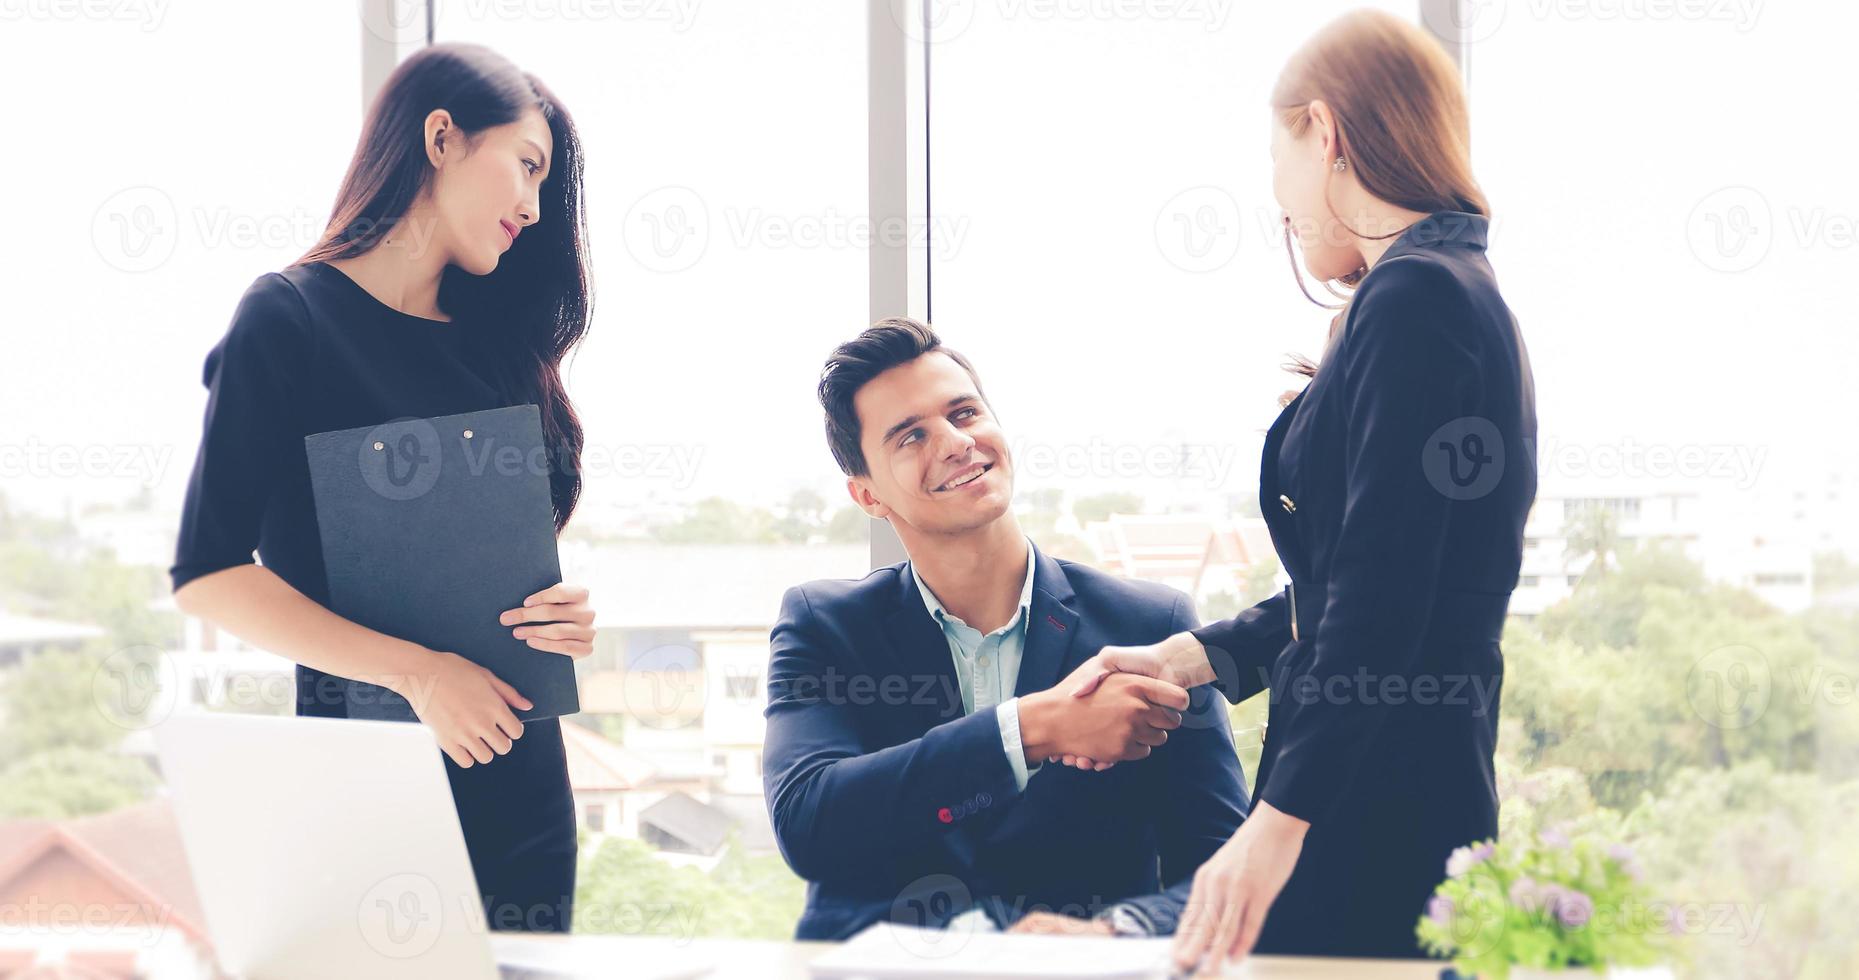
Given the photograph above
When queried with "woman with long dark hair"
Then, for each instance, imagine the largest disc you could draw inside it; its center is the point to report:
(1395, 487)
(452, 277)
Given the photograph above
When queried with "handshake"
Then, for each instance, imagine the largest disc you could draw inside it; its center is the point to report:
(1116, 707)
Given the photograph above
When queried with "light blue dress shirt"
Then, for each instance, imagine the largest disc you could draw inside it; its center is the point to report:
(987, 667)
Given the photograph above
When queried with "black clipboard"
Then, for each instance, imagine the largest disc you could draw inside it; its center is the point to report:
(431, 528)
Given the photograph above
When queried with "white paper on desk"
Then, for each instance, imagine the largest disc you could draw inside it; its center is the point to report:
(522, 958)
(891, 950)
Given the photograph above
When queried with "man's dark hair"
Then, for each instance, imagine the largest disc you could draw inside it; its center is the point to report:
(884, 345)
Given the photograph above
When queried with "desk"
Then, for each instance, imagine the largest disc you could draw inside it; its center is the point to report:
(754, 959)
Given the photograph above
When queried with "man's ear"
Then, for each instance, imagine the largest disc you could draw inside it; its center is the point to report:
(860, 490)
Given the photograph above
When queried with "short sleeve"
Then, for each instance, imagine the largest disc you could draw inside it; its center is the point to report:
(252, 376)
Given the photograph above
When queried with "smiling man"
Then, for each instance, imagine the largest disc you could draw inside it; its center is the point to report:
(909, 711)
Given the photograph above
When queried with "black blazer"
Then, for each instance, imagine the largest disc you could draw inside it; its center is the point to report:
(1395, 487)
(894, 805)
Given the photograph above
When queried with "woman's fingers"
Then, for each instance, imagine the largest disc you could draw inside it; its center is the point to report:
(552, 612)
(573, 639)
(1249, 929)
(557, 603)
(559, 592)
(556, 631)
(567, 648)
(509, 693)
(1196, 925)
(458, 756)
(1226, 934)
(1090, 684)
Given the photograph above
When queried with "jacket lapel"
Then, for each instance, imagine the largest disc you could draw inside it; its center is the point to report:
(922, 656)
(1050, 629)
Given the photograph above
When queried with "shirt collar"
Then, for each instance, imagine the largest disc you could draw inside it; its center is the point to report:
(939, 614)
(1461, 228)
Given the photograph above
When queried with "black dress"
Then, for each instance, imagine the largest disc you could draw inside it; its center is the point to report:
(309, 350)
(1395, 488)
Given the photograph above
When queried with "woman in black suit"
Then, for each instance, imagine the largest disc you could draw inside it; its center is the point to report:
(1395, 487)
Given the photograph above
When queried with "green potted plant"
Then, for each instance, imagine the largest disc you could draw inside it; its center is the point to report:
(1551, 906)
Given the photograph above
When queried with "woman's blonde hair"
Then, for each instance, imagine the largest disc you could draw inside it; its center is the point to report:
(1400, 113)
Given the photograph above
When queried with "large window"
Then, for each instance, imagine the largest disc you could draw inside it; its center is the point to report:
(151, 183)
(1078, 195)
(726, 189)
(1672, 238)
(726, 195)
(1104, 240)
(1105, 245)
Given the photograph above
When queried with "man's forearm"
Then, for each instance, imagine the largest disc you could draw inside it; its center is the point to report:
(832, 813)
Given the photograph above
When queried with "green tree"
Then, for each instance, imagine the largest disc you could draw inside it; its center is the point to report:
(1609, 616)
(802, 518)
(716, 520)
(1099, 507)
(1593, 535)
(848, 526)
(71, 782)
(1713, 734)
(625, 887)
(51, 702)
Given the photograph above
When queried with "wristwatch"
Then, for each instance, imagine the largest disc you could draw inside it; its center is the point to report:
(1127, 920)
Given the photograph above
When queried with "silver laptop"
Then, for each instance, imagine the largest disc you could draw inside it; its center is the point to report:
(331, 848)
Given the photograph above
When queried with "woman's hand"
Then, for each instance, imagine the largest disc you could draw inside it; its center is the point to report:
(1235, 888)
(567, 621)
(467, 707)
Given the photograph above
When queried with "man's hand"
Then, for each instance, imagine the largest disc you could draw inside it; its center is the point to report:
(1235, 888)
(1053, 924)
(1179, 660)
(1126, 718)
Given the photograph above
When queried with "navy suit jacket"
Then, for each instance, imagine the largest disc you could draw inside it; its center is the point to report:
(895, 805)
